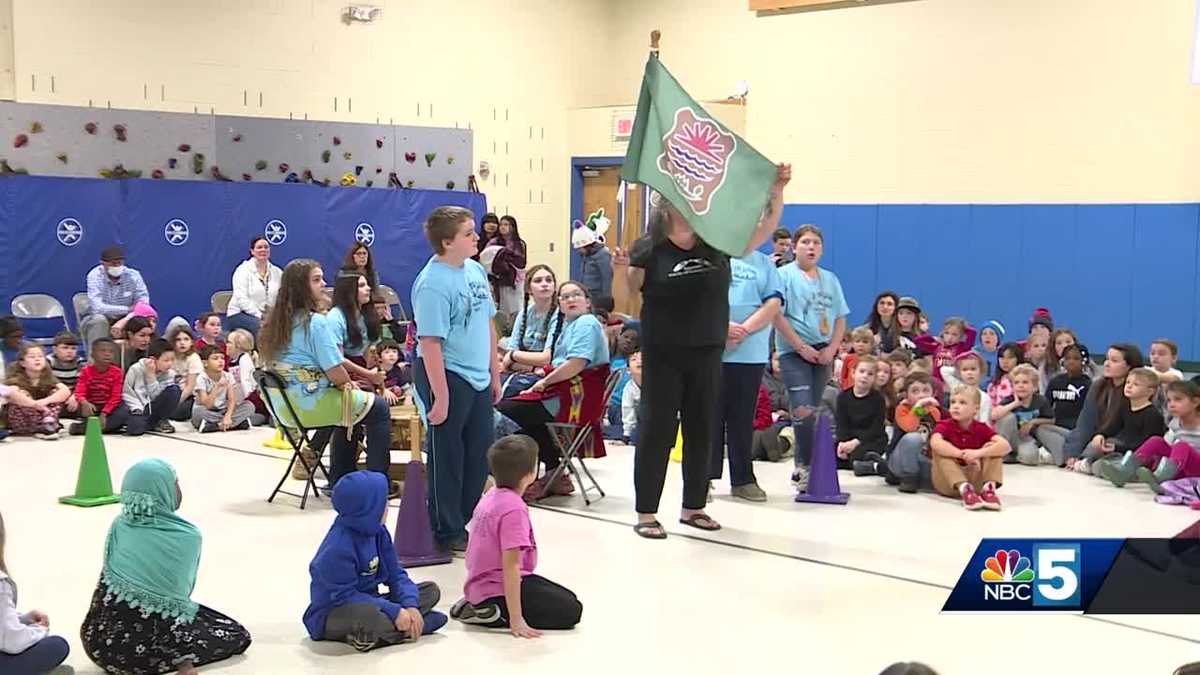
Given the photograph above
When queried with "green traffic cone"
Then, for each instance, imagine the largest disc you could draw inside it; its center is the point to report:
(94, 485)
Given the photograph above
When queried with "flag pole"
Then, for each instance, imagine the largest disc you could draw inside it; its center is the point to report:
(655, 35)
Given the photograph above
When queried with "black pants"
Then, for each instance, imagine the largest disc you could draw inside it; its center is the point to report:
(733, 422)
(377, 427)
(113, 421)
(532, 417)
(183, 411)
(159, 409)
(679, 386)
(544, 604)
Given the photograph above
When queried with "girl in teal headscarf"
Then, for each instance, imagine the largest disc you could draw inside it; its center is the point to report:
(142, 618)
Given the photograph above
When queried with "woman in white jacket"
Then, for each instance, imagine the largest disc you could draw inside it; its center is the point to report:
(255, 283)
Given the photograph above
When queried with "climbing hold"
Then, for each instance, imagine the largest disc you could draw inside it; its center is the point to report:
(171, 162)
(62, 157)
(379, 142)
(348, 180)
(347, 156)
(358, 170)
(184, 147)
(394, 180)
(325, 155)
(198, 163)
(157, 174)
(283, 168)
(260, 165)
(379, 169)
(292, 178)
(90, 127)
(307, 175)
(411, 182)
(429, 157)
(237, 138)
(370, 183)
(449, 185)
(36, 128)
(217, 175)
(20, 141)
(247, 176)
(337, 141)
(449, 159)
(410, 157)
(119, 130)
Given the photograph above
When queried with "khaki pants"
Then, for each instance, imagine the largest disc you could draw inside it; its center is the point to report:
(948, 474)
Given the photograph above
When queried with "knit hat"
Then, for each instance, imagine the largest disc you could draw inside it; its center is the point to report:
(143, 309)
(1041, 317)
(910, 303)
(996, 326)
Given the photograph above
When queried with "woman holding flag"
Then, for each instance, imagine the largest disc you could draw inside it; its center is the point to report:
(684, 282)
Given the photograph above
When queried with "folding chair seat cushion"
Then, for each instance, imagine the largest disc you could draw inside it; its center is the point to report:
(581, 402)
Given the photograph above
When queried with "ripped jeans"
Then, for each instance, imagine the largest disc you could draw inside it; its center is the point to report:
(805, 385)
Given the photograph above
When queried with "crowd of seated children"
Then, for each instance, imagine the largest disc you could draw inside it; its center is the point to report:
(219, 405)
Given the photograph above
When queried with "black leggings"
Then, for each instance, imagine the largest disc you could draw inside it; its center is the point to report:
(544, 605)
(532, 417)
(679, 386)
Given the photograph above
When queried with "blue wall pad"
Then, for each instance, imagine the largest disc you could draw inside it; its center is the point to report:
(53, 229)
(1110, 272)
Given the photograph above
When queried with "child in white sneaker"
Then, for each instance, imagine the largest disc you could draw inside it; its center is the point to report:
(967, 454)
(1022, 413)
(1139, 420)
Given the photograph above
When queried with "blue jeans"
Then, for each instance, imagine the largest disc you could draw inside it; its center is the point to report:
(43, 657)
(378, 428)
(458, 449)
(806, 384)
(908, 459)
(244, 321)
(614, 429)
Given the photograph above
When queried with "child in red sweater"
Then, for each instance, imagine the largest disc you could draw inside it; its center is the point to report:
(208, 327)
(957, 338)
(99, 390)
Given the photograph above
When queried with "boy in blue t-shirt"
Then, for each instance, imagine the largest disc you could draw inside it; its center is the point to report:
(457, 375)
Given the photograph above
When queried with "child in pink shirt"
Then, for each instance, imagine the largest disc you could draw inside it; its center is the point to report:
(501, 589)
(957, 338)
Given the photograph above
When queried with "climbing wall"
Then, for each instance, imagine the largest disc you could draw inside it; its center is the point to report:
(52, 140)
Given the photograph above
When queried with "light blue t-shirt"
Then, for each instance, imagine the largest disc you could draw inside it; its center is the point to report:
(455, 304)
(315, 348)
(535, 328)
(582, 338)
(753, 280)
(810, 305)
(337, 324)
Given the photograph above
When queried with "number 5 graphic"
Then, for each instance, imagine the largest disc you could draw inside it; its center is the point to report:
(1057, 567)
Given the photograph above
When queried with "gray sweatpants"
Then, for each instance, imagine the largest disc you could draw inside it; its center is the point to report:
(1027, 448)
(908, 459)
(364, 626)
(1053, 438)
(242, 413)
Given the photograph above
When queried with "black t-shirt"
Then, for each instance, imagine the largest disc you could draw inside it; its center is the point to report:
(685, 294)
(1067, 394)
(861, 418)
(1137, 426)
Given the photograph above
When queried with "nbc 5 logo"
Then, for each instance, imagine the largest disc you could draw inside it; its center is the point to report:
(1049, 579)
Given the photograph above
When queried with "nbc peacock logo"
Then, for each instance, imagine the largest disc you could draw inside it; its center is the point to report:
(1007, 575)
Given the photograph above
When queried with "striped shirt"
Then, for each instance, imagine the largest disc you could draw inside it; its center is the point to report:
(67, 372)
(114, 298)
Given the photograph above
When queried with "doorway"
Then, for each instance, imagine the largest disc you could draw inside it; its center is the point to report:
(595, 184)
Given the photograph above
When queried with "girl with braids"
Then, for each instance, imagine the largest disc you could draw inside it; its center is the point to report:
(528, 346)
(577, 345)
(300, 344)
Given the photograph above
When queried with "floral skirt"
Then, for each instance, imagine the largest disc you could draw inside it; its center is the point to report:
(121, 639)
(28, 421)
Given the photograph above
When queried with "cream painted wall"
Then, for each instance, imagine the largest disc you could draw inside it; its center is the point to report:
(590, 130)
(945, 100)
(509, 69)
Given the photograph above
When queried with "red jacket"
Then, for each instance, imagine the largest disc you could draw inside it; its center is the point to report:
(100, 389)
(762, 410)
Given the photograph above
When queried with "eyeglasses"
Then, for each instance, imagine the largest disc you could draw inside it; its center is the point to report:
(572, 296)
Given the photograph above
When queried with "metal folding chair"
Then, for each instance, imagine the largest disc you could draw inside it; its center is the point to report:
(296, 434)
(393, 300)
(39, 306)
(220, 301)
(571, 439)
(81, 304)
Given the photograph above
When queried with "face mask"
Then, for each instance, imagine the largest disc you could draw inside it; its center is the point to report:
(115, 272)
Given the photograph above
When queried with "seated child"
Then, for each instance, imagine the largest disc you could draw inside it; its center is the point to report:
(991, 336)
(99, 389)
(208, 331)
(395, 371)
(65, 363)
(501, 589)
(244, 360)
(883, 382)
(966, 454)
(26, 645)
(1163, 355)
(389, 328)
(1018, 417)
(631, 399)
(621, 347)
(1135, 425)
(1175, 454)
(150, 391)
(776, 442)
(968, 369)
(12, 336)
(1037, 354)
(862, 342)
(1009, 356)
(218, 405)
(356, 556)
(957, 338)
(1067, 391)
(46, 395)
(860, 421)
(916, 416)
(188, 367)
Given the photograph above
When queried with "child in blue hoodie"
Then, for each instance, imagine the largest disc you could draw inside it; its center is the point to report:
(357, 556)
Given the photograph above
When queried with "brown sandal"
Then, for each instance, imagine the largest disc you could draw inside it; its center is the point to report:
(646, 530)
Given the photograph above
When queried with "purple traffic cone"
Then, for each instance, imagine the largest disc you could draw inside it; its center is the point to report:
(414, 537)
(823, 486)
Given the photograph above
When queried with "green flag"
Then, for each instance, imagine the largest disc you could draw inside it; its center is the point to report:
(717, 181)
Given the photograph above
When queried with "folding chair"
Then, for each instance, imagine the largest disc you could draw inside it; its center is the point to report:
(81, 304)
(220, 301)
(296, 434)
(571, 439)
(393, 300)
(39, 306)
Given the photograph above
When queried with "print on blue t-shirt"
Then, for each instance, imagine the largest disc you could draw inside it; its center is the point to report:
(753, 281)
(804, 302)
(582, 338)
(455, 304)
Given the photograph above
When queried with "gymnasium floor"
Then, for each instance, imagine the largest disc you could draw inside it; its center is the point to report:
(784, 586)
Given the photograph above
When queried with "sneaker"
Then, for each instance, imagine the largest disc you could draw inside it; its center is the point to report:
(863, 467)
(395, 489)
(458, 548)
(1045, 456)
(800, 478)
(207, 427)
(1083, 466)
(970, 499)
(990, 501)
(47, 435)
(77, 429)
(465, 612)
(164, 427)
(909, 485)
(1147, 476)
(751, 492)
